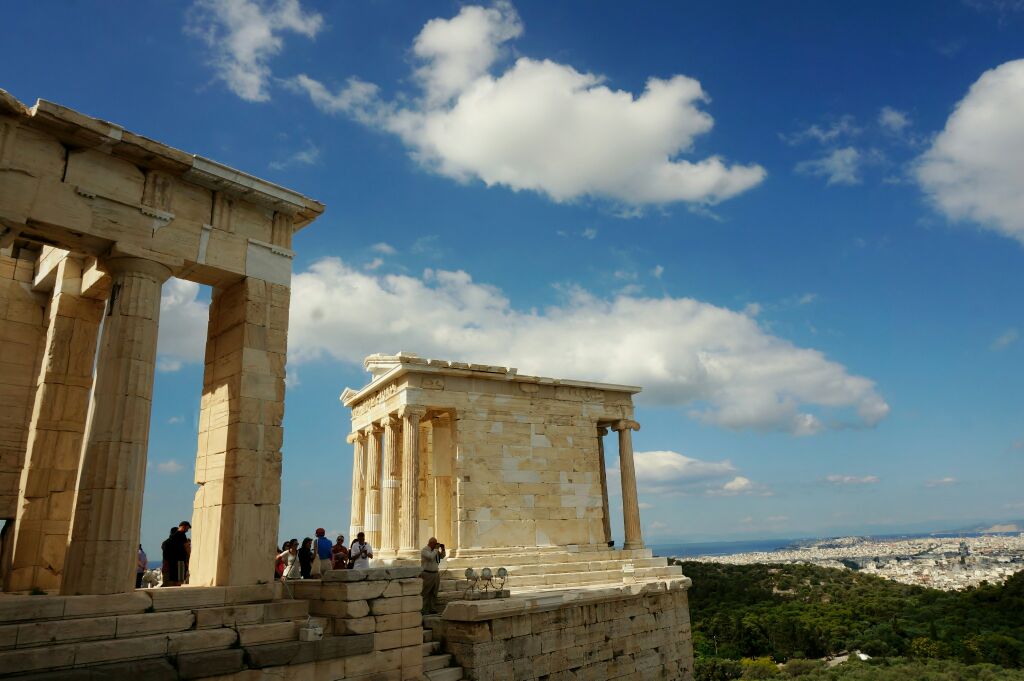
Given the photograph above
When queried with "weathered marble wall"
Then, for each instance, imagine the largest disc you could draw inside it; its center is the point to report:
(645, 636)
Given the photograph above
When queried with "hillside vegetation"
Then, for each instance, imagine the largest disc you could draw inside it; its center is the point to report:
(801, 612)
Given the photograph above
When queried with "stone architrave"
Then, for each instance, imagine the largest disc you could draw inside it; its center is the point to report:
(409, 521)
(358, 442)
(371, 514)
(391, 470)
(238, 462)
(606, 521)
(630, 503)
(47, 490)
(108, 502)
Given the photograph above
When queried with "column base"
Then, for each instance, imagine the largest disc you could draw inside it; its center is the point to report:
(408, 554)
(634, 546)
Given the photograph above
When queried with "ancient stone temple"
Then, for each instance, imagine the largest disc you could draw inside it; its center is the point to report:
(93, 220)
(509, 471)
(506, 469)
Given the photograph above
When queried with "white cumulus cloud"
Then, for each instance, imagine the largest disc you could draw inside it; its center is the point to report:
(973, 170)
(183, 322)
(942, 482)
(243, 35)
(540, 125)
(720, 364)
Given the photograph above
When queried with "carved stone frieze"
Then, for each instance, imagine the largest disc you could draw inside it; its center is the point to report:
(566, 392)
(373, 400)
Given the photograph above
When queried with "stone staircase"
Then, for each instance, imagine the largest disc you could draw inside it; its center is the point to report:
(191, 632)
(546, 569)
(437, 664)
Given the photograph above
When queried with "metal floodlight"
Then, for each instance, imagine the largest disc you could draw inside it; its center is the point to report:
(486, 573)
(502, 573)
(471, 574)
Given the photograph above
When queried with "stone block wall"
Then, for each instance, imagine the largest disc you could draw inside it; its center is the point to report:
(632, 636)
(370, 618)
(22, 332)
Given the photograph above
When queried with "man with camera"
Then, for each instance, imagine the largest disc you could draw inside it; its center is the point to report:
(360, 553)
(430, 559)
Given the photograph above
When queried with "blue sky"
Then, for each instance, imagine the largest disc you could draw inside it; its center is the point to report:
(804, 237)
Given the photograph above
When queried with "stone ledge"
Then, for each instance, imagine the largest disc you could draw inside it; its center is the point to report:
(475, 611)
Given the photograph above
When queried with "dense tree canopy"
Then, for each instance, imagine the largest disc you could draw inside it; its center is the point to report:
(796, 612)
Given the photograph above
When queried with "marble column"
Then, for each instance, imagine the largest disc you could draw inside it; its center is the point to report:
(391, 470)
(358, 440)
(409, 521)
(630, 504)
(47, 489)
(443, 455)
(105, 531)
(371, 513)
(606, 521)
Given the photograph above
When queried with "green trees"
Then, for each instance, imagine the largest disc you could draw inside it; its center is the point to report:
(805, 611)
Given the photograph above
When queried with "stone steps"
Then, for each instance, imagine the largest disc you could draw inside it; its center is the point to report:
(437, 664)
(432, 662)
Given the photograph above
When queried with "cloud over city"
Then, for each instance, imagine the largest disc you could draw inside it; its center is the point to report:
(540, 125)
(721, 365)
(973, 171)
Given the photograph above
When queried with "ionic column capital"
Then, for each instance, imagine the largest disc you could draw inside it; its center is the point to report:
(602, 431)
(391, 420)
(410, 411)
(352, 438)
(372, 429)
(625, 424)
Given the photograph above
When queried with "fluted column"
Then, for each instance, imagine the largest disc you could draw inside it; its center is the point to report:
(630, 504)
(371, 514)
(105, 531)
(358, 440)
(605, 520)
(391, 469)
(409, 522)
(46, 495)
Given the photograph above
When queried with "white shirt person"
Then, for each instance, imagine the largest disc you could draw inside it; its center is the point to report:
(361, 552)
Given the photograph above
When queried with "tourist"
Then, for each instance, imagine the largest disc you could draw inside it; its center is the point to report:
(339, 553)
(290, 558)
(141, 565)
(278, 562)
(360, 553)
(169, 549)
(430, 559)
(306, 558)
(322, 553)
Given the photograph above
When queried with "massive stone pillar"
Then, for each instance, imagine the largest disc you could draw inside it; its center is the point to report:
(47, 489)
(390, 472)
(371, 515)
(22, 338)
(443, 454)
(606, 521)
(108, 504)
(238, 461)
(630, 504)
(409, 522)
(358, 441)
